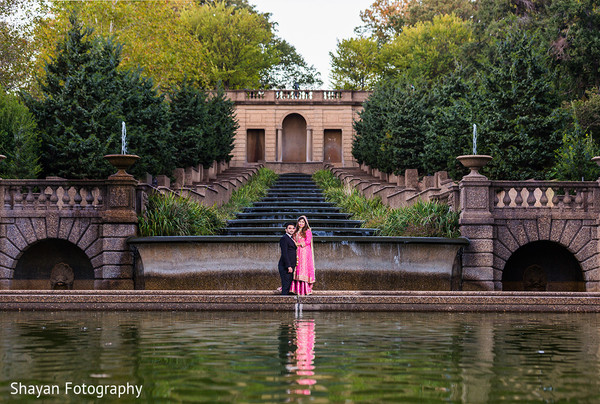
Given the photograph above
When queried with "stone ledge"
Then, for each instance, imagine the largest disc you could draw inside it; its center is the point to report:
(258, 300)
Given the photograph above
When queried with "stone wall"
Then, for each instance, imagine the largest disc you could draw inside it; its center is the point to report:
(231, 263)
(96, 217)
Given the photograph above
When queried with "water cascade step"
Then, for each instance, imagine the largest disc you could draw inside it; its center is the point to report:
(291, 196)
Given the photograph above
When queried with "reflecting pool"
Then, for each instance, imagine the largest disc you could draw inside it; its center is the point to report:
(252, 357)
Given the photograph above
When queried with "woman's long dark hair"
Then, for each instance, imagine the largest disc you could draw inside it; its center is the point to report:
(302, 232)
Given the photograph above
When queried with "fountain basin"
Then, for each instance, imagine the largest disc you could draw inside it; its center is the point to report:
(342, 263)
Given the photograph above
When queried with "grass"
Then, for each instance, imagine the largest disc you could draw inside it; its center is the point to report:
(171, 215)
(422, 219)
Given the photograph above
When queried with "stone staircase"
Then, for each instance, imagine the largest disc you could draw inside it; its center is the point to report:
(291, 196)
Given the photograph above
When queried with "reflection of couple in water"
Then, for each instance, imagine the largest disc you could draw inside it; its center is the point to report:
(297, 262)
(297, 353)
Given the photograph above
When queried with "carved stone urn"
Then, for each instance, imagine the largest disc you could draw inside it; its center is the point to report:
(474, 162)
(121, 162)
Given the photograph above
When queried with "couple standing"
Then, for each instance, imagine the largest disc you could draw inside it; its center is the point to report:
(297, 262)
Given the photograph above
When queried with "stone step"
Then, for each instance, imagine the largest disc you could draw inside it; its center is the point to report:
(293, 208)
(296, 189)
(280, 222)
(293, 199)
(280, 204)
(292, 215)
(288, 194)
(317, 231)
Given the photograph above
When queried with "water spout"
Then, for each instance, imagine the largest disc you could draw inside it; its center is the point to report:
(123, 139)
(474, 139)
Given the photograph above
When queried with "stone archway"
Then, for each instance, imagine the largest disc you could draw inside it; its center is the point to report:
(542, 266)
(33, 268)
(294, 139)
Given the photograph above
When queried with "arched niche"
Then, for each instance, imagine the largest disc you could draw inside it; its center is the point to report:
(35, 265)
(294, 139)
(542, 266)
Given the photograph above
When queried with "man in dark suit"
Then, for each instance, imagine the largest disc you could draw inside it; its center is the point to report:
(287, 262)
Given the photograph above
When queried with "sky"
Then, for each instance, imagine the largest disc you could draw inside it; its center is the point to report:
(313, 27)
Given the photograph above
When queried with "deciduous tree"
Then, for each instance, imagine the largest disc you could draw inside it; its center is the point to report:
(19, 139)
(236, 44)
(356, 64)
(428, 49)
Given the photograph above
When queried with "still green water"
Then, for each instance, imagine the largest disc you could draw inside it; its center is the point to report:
(251, 357)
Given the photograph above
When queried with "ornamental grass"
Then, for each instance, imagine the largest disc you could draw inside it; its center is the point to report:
(422, 219)
(172, 215)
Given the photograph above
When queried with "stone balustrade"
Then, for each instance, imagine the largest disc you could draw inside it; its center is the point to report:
(54, 194)
(543, 194)
(297, 96)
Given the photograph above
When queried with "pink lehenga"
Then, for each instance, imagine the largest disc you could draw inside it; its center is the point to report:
(304, 275)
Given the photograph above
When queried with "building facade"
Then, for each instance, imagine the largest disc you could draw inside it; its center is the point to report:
(295, 126)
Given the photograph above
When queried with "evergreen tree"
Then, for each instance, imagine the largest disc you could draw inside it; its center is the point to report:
(449, 131)
(574, 158)
(389, 134)
(189, 116)
(84, 100)
(519, 109)
(203, 126)
(223, 124)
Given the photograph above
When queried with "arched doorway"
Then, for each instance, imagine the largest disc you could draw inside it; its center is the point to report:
(35, 265)
(294, 139)
(542, 266)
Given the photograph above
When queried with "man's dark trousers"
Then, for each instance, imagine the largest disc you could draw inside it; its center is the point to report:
(288, 259)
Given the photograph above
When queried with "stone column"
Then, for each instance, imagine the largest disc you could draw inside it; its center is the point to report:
(476, 223)
(113, 267)
(279, 144)
(309, 144)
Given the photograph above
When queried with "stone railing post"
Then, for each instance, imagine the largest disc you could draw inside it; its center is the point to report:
(476, 223)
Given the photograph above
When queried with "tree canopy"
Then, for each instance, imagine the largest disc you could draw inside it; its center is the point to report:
(209, 42)
(525, 72)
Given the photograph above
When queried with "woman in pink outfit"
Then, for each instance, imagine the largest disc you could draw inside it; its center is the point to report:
(304, 275)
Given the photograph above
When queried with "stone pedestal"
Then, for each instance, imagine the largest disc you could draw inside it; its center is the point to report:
(476, 223)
